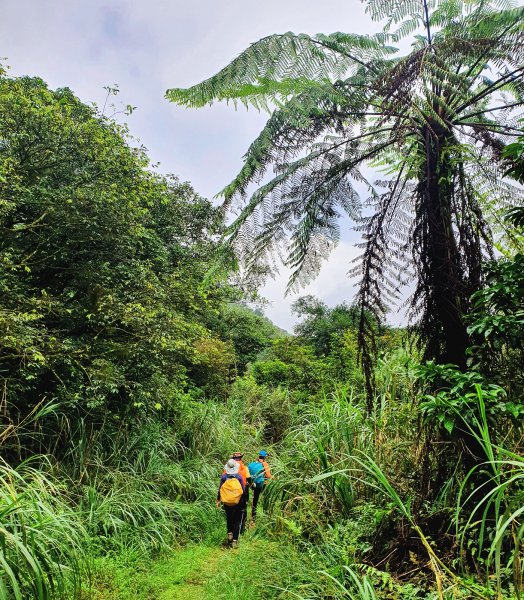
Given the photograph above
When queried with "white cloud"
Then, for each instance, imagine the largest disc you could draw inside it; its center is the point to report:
(147, 47)
(332, 285)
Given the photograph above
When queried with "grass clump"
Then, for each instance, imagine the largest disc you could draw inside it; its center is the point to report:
(41, 536)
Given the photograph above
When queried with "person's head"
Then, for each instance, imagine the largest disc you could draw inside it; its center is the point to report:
(262, 455)
(237, 456)
(231, 467)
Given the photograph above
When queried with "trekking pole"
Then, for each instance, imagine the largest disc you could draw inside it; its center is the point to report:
(240, 528)
(244, 514)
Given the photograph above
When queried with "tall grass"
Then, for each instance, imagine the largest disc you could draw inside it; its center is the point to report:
(41, 537)
(497, 514)
(122, 491)
(360, 587)
(317, 456)
(136, 487)
(336, 460)
(490, 506)
(341, 478)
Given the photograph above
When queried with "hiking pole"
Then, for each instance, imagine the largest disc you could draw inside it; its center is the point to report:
(240, 528)
(244, 514)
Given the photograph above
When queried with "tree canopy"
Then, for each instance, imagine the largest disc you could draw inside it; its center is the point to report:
(323, 327)
(104, 294)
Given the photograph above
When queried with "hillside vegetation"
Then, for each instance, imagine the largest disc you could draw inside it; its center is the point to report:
(132, 364)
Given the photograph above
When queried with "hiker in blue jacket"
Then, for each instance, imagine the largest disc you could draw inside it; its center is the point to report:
(260, 475)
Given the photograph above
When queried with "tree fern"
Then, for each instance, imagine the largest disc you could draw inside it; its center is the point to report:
(434, 121)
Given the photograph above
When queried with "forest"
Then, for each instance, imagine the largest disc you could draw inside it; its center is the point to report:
(135, 355)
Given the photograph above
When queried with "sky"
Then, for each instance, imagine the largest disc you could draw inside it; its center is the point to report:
(148, 46)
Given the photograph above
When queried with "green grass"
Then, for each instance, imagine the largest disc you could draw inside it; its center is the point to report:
(41, 536)
(196, 571)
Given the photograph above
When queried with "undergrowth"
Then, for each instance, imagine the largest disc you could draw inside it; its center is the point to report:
(347, 515)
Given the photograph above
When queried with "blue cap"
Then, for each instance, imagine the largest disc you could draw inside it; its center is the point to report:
(262, 453)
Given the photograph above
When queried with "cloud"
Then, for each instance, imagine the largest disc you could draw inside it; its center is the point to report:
(332, 285)
(147, 47)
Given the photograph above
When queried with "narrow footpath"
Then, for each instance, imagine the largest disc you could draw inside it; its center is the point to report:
(196, 572)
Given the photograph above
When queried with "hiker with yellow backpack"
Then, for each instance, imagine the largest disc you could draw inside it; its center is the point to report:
(231, 495)
(243, 471)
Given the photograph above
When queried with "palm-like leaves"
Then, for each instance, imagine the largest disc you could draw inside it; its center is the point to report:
(435, 120)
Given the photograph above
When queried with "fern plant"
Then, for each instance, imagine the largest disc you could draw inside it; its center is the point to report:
(434, 121)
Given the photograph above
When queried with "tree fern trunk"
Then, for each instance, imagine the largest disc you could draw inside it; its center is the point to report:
(446, 278)
(442, 277)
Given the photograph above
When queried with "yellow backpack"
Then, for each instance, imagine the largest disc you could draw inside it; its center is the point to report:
(231, 491)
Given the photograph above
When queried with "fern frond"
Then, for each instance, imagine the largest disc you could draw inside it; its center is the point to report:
(278, 65)
(434, 121)
(289, 129)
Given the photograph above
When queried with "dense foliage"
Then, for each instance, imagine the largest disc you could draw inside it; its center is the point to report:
(248, 331)
(105, 301)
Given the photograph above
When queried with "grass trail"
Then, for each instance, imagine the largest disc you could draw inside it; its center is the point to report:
(193, 572)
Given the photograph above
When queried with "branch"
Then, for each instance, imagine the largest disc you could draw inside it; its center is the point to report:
(491, 88)
(487, 110)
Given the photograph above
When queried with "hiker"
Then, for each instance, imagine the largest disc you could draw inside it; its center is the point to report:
(230, 494)
(260, 474)
(246, 477)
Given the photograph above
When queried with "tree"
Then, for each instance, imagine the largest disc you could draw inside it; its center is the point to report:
(103, 266)
(434, 120)
(323, 327)
(289, 364)
(248, 331)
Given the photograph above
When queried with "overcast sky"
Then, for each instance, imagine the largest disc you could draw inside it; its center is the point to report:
(147, 46)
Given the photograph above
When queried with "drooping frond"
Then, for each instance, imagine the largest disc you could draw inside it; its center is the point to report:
(303, 203)
(381, 267)
(280, 66)
(290, 129)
